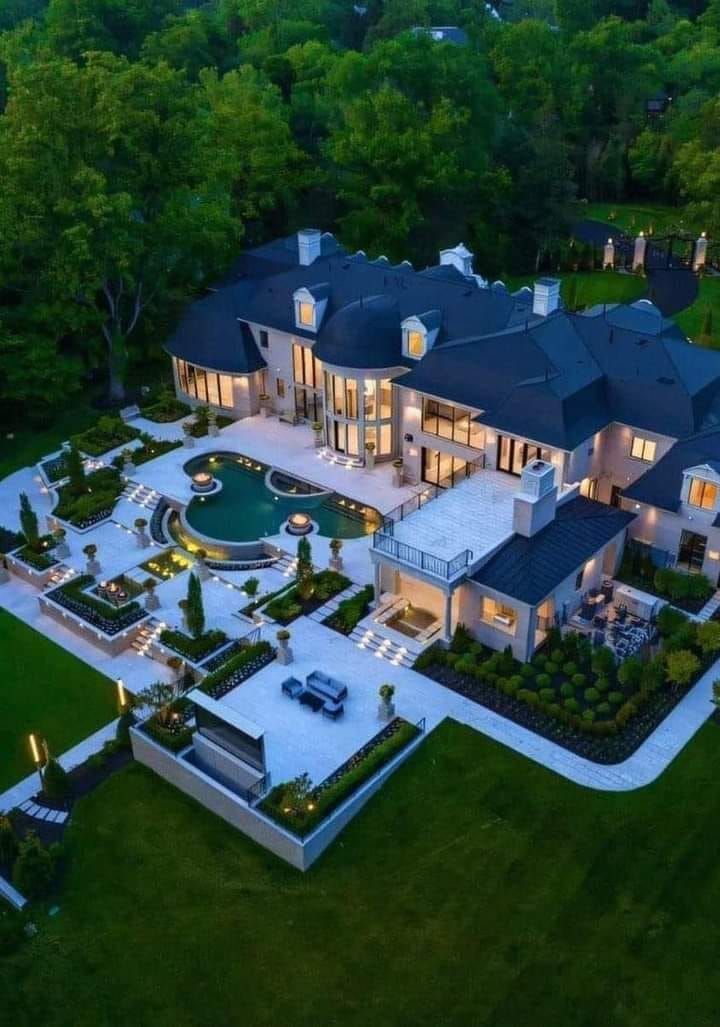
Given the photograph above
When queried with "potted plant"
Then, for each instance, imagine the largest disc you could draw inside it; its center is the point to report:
(318, 429)
(251, 587)
(200, 566)
(188, 428)
(369, 455)
(264, 404)
(62, 549)
(386, 709)
(152, 602)
(143, 539)
(397, 473)
(212, 422)
(93, 566)
(128, 465)
(4, 572)
(175, 663)
(336, 563)
(284, 653)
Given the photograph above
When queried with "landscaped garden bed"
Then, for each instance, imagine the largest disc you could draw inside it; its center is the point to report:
(215, 662)
(351, 611)
(194, 649)
(575, 695)
(107, 434)
(40, 557)
(170, 726)
(54, 469)
(166, 564)
(90, 500)
(200, 424)
(149, 450)
(237, 668)
(690, 592)
(165, 408)
(110, 619)
(299, 806)
(287, 607)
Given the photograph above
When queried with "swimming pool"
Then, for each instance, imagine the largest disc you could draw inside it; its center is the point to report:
(255, 501)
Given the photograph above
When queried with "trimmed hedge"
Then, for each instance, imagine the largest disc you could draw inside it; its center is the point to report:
(99, 614)
(172, 738)
(289, 606)
(237, 669)
(325, 800)
(351, 611)
(194, 649)
(96, 502)
(108, 433)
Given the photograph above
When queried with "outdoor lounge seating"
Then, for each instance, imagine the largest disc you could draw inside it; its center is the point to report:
(320, 692)
(326, 686)
(332, 710)
(292, 687)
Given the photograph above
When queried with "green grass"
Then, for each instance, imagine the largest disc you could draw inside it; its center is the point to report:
(46, 689)
(638, 217)
(30, 444)
(476, 889)
(691, 320)
(592, 286)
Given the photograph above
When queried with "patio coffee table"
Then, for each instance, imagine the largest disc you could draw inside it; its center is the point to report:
(315, 702)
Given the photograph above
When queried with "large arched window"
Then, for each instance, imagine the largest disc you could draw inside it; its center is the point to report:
(359, 411)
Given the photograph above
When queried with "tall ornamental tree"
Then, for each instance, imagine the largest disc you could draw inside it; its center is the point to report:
(29, 522)
(195, 610)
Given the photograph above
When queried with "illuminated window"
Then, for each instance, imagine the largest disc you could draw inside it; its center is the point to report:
(306, 314)
(702, 494)
(415, 344)
(498, 615)
(643, 449)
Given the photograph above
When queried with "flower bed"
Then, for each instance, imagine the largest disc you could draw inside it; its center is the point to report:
(328, 795)
(217, 661)
(194, 649)
(101, 491)
(166, 564)
(287, 607)
(107, 434)
(571, 694)
(150, 449)
(351, 611)
(170, 728)
(108, 618)
(237, 669)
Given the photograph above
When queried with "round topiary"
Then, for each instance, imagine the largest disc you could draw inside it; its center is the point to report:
(557, 656)
(539, 661)
(567, 690)
(591, 695)
(551, 668)
(579, 680)
(543, 681)
(56, 783)
(515, 682)
(589, 715)
(615, 698)
(602, 684)
(528, 671)
(572, 705)
(547, 694)
(570, 668)
(603, 708)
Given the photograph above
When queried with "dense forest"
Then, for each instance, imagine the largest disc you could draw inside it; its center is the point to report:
(143, 142)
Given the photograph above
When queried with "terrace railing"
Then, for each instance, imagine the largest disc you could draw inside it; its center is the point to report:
(384, 540)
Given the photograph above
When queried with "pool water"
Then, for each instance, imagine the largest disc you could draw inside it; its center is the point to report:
(246, 509)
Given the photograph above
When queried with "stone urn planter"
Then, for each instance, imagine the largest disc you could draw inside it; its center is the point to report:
(212, 424)
(397, 473)
(143, 539)
(336, 563)
(284, 652)
(201, 568)
(188, 441)
(129, 467)
(264, 404)
(386, 708)
(62, 549)
(370, 455)
(175, 663)
(151, 601)
(93, 564)
(4, 572)
(183, 604)
(52, 524)
(318, 430)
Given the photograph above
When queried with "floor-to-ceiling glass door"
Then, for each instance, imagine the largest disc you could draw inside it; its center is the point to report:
(513, 454)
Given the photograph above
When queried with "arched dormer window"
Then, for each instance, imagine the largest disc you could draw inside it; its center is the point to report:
(419, 333)
(310, 303)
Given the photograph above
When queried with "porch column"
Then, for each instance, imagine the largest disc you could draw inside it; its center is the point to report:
(447, 618)
(531, 629)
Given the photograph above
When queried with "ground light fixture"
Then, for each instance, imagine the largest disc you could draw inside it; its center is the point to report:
(122, 695)
(37, 757)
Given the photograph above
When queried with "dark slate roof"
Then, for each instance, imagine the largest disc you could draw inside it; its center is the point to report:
(365, 334)
(528, 569)
(660, 485)
(212, 335)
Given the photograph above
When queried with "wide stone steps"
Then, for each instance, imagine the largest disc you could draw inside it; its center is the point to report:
(337, 458)
(53, 816)
(141, 495)
(147, 636)
(382, 648)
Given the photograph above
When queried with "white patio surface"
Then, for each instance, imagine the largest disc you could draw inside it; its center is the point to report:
(289, 448)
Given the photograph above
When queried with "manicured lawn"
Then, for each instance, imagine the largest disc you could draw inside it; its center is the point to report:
(476, 889)
(637, 217)
(29, 444)
(592, 286)
(691, 320)
(46, 689)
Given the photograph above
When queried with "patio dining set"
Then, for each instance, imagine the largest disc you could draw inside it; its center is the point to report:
(606, 617)
(319, 693)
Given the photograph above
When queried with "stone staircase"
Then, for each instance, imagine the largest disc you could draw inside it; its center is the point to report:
(710, 607)
(337, 458)
(383, 648)
(142, 495)
(148, 635)
(331, 605)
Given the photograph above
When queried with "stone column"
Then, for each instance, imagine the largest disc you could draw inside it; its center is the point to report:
(447, 618)
(609, 254)
(700, 254)
(639, 252)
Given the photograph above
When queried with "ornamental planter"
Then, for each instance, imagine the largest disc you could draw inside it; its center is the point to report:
(336, 563)
(188, 441)
(397, 474)
(143, 539)
(264, 404)
(370, 455)
(318, 430)
(386, 708)
(284, 653)
(201, 568)
(62, 549)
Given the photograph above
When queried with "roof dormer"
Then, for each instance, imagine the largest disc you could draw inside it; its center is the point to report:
(419, 332)
(310, 303)
(701, 487)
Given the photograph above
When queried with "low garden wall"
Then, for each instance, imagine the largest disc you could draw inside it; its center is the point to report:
(38, 579)
(300, 853)
(111, 644)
